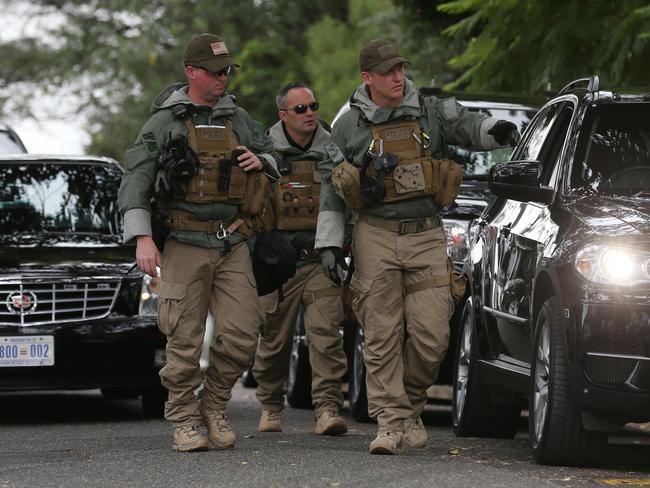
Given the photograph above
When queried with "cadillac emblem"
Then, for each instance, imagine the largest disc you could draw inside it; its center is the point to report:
(21, 303)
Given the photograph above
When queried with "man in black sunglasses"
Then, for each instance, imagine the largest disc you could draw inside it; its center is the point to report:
(299, 139)
(204, 159)
(384, 163)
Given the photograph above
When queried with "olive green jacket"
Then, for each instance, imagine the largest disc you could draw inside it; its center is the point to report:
(301, 239)
(141, 163)
(445, 121)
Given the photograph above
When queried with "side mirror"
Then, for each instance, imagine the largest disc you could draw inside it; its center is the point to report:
(520, 180)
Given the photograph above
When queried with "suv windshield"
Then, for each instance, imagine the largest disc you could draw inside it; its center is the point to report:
(478, 163)
(38, 197)
(613, 155)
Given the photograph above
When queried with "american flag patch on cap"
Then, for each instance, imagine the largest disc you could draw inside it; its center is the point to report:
(219, 48)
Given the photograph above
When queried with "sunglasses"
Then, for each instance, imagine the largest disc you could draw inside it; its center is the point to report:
(302, 108)
(224, 72)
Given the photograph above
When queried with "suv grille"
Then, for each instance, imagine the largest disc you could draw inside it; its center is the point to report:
(55, 301)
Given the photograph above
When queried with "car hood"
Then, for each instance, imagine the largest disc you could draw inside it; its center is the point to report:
(614, 216)
(91, 258)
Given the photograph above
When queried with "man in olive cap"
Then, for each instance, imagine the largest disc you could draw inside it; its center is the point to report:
(384, 166)
(203, 159)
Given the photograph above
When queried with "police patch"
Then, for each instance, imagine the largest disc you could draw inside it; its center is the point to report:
(150, 141)
(396, 134)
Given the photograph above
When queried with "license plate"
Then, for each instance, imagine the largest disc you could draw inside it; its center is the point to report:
(21, 351)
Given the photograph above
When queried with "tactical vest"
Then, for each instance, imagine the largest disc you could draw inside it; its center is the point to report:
(416, 173)
(297, 197)
(218, 179)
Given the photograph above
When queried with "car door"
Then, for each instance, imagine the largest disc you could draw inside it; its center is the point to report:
(514, 233)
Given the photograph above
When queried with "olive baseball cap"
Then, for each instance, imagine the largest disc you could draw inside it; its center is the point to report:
(209, 52)
(380, 56)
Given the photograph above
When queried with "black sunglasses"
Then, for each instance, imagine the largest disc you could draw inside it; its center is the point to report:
(302, 108)
(224, 72)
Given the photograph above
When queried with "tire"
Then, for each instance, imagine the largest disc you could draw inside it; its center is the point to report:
(153, 401)
(555, 425)
(248, 380)
(474, 413)
(299, 380)
(118, 393)
(357, 393)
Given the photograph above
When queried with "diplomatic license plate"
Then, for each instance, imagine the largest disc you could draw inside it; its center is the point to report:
(18, 351)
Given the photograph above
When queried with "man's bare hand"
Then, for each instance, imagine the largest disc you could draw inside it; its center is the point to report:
(248, 161)
(147, 255)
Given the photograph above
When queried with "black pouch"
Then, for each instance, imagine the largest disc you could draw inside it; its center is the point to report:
(274, 261)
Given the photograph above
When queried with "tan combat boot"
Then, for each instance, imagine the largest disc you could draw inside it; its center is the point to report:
(330, 423)
(270, 421)
(219, 431)
(415, 434)
(189, 438)
(386, 442)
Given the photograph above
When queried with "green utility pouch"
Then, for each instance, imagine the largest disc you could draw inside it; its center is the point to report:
(451, 176)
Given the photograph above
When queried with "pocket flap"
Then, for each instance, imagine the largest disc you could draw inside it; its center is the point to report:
(169, 289)
(360, 284)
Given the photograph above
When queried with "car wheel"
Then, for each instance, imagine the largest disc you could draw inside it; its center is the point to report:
(474, 412)
(299, 380)
(248, 380)
(117, 393)
(153, 401)
(357, 393)
(555, 430)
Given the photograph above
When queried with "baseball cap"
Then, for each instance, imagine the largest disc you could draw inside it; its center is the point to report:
(380, 56)
(208, 52)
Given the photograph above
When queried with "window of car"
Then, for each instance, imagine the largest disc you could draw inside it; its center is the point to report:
(58, 197)
(9, 143)
(613, 152)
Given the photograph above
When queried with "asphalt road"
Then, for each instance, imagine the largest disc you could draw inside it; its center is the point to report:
(71, 439)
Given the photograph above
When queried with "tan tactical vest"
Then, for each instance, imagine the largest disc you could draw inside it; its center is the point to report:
(213, 145)
(416, 174)
(296, 197)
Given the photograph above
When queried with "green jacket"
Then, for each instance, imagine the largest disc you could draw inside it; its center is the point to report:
(445, 121)
(301, 239)
(141, 163)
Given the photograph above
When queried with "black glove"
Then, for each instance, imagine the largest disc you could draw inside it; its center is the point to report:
(333, 264)
(505, 133)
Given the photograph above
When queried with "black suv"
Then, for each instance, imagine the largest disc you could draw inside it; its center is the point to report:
(74, 310)
(557, 313)
(472, 200)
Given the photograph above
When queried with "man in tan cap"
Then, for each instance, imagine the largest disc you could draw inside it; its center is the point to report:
(383, 166)
(206, 162)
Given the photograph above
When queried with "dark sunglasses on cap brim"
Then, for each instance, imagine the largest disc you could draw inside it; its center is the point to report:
(302, 108)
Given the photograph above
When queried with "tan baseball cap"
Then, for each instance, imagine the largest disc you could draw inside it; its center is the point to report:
(209, 52)
(380, 56)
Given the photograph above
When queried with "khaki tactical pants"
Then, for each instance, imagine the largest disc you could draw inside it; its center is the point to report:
(323, 316)
(398, 373)
(194, 279)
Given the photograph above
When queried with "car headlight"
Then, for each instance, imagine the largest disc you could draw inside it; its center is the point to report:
(149, 296)
(609, 265)
(456, 232)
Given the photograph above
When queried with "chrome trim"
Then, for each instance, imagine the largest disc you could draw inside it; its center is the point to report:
(618, 356)
(504, 315)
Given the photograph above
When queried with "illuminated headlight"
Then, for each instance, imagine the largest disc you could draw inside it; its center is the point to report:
(149, 296)
(456, 232)
(613, 265)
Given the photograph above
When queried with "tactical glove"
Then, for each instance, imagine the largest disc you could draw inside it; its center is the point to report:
(333, 264)
(505, 133)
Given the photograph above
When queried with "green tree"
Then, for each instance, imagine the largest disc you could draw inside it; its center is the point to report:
(527, 46)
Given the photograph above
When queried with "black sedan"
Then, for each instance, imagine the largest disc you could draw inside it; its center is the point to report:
(557, 315)
(74, 310)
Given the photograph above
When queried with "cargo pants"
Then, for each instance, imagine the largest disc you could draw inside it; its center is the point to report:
(323, 314)
(193, 280)
(399, 369)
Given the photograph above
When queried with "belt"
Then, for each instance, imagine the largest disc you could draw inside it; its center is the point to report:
(408, 226)
(179, 220)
